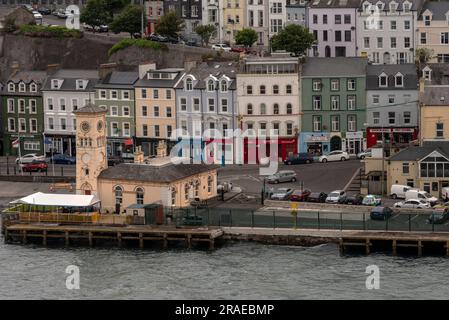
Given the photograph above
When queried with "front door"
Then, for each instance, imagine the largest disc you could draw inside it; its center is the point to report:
(87, 192)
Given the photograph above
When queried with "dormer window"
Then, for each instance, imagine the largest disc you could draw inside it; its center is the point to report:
(380, 6)
(55, 84)
(33, 87)
(427, 20)
(427, 74)
(407, 6)
(393, 7)
(11, 87)
(366, 7)
(189, 84)
(224, 86)
(398, 80)
(383, 80)
(80, 85)
(22, 87)
(211, 85)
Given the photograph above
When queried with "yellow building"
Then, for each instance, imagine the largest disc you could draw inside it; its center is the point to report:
(158, 181)
(424, 167)
(234, 15)
(434, 112)
(155, 107)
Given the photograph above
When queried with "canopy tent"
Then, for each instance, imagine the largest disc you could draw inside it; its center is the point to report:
(58, 200)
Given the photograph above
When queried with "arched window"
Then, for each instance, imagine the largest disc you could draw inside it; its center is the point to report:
(249, 108)
(22, 87)
(263, 108)
(289, 108)
(262, 89)
(186, 192)
(209, 184)
(11, 87)
(210, 85)
(139, 195)
(224, 86)
(249, 90)
(275, 108)
(189, 84)
(275, 89)
(118, 194)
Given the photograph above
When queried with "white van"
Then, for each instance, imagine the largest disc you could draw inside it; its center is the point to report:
(420, 195)
(398, 191)
(445, 193)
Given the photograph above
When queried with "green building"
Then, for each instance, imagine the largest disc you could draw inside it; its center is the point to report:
(115, 92)
(22, 113)
(333, 105)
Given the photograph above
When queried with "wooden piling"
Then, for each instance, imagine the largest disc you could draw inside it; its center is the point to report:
(211, 244)
(6, 236)
(165, 242)
(420, 248)
(91, 240)
(44, 237)
(367, 246)
(24, 236)
(67, 240)
(394, 247)
(141, 240)
(189, 241)
(119, 239)
(447, 248)
(342, 247)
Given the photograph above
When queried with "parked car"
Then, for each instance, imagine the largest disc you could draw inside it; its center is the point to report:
(362, 155)
(281, 194)
(317, 197)
(398, 191)
(28, 158)
(35, 166)
(337, 196)
(282, 176)
(337, 155)
(240, 49)
(157, 37)
(100, 29)
(413, 204)
(445, 193)
(372, 200)
(62, 159)
(422, 195)
(300, 195)
(221, 46)
(28, 7)
(380, 213)
(44, 11)
(440, 214)
(299, 158)
(355, 199)
(62, 14)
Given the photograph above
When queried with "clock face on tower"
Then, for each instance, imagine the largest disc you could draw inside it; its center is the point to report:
(85, 158)
(85, 126)
(100, 126)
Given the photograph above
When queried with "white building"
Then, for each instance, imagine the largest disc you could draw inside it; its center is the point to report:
(64, 92)
(277, 16)
(386, 30)
(257, 19)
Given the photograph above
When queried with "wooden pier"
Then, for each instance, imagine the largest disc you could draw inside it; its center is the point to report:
(90, 235)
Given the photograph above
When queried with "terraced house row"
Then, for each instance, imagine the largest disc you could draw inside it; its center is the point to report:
(384, 31)
(313, 105)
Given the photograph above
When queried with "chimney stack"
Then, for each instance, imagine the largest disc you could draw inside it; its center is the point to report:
(422, 82)
(189, 65)
(145, 67)
(138, 155)
(14, 67)
(105, 69)
(53, 68)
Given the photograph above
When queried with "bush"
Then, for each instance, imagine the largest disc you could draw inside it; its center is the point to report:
(140, 43)
(49, 32)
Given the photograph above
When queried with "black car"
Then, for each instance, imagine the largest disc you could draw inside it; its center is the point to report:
(299, 158)
(44, 11)
(355, 199)
(318, 197)
(380, 213)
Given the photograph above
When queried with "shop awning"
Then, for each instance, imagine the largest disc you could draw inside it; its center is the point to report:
(129, 142)
(58, 200)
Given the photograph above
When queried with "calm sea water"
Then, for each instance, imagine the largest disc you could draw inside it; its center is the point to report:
(236, 271)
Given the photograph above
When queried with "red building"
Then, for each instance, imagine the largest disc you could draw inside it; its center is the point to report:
(391, 135)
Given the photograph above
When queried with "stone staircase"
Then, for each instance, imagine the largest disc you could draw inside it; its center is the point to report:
(356, 182)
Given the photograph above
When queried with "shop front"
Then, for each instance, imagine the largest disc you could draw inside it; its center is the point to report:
(354, 142)
(60, 144)
(255, 149)
(29, 143)
(123, 148)
(315, 143)
(395, 136)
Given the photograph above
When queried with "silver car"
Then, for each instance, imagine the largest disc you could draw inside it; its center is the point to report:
(282, 176)
(281, 194)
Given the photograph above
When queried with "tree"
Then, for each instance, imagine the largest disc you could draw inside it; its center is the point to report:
(129, 20)
(95, 13)
(423, 55)
(246, 37)
(206, 32)
(115, 6)
(170, 24)
(293, 38)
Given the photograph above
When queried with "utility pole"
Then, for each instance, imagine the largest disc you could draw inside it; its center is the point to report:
(142, 19)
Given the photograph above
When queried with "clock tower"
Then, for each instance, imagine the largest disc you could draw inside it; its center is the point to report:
(90, 147)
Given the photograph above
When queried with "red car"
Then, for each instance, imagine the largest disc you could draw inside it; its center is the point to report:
(35, 166)
(300, 195)
(239, 49)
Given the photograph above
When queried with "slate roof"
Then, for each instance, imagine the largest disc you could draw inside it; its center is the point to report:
(160, 83)
(90, 108)
(438, 9)
(334, 4)
(435, 96)
(27, 77)
(416, 153)
(70, 76)
(440, 73)
(118, 79)
(334, 67)
(407, 70)
(416, 4)
(216, 69)
(149, 173)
